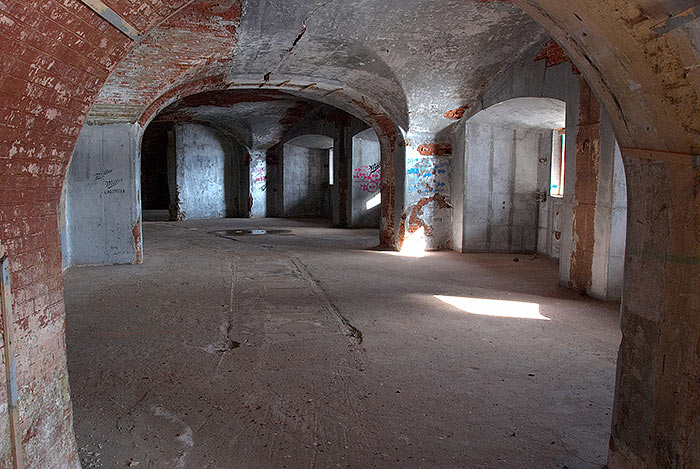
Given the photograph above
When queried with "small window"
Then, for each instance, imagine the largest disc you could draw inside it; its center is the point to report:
(330, 166)
(558, 163)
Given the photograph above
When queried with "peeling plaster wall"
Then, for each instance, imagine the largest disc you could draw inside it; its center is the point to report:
(366, 180)
(306, 177)
(428, 209)
(103, 203)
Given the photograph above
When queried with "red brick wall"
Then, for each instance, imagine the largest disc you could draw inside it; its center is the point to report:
(55, 56)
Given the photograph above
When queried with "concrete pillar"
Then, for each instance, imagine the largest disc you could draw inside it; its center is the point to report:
(610, 222)
(393, 148)
(342, 166)
(458, 181)
(656, 415)
(568, 201)
(599, 210)
(103, 201)
(201, 167)
(258, 183)
(586, 189)
(428, 210)
(275, 184)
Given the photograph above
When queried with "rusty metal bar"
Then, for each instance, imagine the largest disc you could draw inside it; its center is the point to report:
(113, 18)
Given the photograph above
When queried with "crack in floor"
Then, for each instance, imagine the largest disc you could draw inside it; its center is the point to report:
(352, 331)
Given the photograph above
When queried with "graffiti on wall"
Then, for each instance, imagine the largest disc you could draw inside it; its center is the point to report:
(110, 184)
(427, 176)
(260, 177)
(368, 177)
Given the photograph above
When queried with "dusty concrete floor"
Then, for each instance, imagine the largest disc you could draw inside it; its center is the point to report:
(222, 353)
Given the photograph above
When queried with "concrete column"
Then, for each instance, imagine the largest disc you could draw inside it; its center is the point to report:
(610, 219)
(201, 172)
(258, 183)
(103, 201)
(342, 164)
(275, 183)
(586, 189)
(458, 182)
(568, 201)
(393, 148)
(599, 210)
(656, 415)
(174, 209)
(428, 210)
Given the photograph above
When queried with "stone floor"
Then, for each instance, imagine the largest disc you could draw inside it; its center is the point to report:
(308, 348)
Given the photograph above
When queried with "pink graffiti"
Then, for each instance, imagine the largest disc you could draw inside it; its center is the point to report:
(369, 177)
(370, 187)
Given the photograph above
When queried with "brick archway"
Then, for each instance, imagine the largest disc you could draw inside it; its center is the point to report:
(58, 54)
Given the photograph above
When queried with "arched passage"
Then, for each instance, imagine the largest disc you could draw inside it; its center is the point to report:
(306, 180)
(640, 58)
(507, 162)
(539, 179)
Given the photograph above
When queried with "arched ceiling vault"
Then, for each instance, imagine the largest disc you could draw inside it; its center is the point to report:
(257, 119)
(413, 61)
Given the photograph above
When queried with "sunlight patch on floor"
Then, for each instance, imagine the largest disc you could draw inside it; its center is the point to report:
(496, 308)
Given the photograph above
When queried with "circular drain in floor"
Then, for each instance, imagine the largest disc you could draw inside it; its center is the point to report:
(251, 232)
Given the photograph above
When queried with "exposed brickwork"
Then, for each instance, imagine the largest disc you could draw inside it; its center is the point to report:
(553, 54)
(587, 162)
(456, 114)
(435, 149)
(411, 223)
(55, 56)
(388, 135)
(192, 47)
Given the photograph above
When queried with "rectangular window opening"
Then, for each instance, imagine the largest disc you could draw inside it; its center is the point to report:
(330, 167)
(558, 163)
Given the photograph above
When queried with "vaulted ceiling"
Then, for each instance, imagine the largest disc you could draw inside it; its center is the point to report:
(414, 60)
